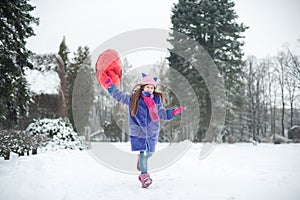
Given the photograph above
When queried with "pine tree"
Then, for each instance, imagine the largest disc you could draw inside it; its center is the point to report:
(64, 52)
(211, 23)
(15, 23)
(81, 60)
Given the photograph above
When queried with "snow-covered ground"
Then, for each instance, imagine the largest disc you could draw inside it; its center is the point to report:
(238, 171)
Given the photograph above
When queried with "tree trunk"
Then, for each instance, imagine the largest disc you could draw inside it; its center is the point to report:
(34, 151)
(282, 119)
(273, 122)
(62, 110)
(6, 156)
(292, 115)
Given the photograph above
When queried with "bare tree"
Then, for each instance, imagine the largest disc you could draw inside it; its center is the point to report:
(294, 64)
(293, 80)
(262, 85)
(281, 59)
(272, 94)
(254, 96)
(291, 88)
(263, 73)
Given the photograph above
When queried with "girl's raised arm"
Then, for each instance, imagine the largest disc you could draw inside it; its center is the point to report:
(118, 95)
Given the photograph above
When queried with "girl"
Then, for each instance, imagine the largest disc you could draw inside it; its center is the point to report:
(145, 110)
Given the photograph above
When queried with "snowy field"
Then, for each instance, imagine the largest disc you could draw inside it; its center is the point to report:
(238, 171)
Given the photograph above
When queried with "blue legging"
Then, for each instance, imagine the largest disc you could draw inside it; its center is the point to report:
(144, 155)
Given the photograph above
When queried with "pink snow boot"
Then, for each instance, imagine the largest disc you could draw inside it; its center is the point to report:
(138, 163)
(145, 180)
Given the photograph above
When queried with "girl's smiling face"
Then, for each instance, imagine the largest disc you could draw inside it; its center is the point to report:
(149, 88)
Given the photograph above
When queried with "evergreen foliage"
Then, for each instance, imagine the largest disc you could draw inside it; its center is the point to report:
(15, 22)
(80, 61)
(211, 23)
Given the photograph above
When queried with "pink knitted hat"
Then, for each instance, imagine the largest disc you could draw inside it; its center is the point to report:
(149, 80)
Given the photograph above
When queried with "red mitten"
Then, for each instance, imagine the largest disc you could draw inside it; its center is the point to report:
(177, 110)
(108, 82)
(109, 65)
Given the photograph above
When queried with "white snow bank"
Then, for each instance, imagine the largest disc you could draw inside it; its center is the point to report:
(230, 172)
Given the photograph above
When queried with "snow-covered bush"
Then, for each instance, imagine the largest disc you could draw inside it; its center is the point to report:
(60, 132)
(19, 142)
(279, 139)
(5, 141)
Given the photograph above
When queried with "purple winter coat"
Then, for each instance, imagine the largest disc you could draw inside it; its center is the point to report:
(143, 132)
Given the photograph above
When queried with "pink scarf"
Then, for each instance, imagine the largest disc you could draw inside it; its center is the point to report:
(148, 98)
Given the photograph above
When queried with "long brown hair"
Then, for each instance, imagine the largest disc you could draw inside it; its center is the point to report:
(136, 93)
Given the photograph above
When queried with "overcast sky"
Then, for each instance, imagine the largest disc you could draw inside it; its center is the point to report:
(272, 23)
